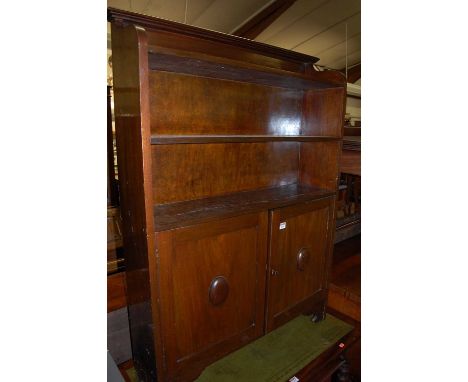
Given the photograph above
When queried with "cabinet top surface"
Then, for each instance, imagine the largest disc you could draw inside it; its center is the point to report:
(155, 23)
(181, 214)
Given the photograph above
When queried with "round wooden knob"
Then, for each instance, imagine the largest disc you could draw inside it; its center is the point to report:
(303, 257)
(219, 290)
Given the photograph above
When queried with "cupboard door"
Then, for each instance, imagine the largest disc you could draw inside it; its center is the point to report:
(298, 259)
(212, 291)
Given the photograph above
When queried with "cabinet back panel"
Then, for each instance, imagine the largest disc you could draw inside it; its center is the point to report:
(182, 104)
(189, 171)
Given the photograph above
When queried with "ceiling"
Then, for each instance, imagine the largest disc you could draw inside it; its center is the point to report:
(314, 27)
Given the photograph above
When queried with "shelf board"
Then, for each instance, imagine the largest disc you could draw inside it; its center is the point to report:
(181, 139)
(227, 69)
(181, 214)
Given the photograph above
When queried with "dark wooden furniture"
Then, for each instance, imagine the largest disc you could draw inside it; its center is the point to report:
(115, 258)
(116, 296)
(228, 154)
(348, 203)
(114, 220)
(351, 157)
(344, 299)
(345, 278)
(112, 191)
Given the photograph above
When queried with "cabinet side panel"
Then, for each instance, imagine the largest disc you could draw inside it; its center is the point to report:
(324, 112)
(190, 171)
(319, 164)
(130, 67)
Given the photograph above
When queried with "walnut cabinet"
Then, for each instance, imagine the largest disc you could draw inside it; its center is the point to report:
(228, 154)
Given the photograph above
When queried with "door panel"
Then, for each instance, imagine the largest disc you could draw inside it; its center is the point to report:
(297, 259)
(212, 290)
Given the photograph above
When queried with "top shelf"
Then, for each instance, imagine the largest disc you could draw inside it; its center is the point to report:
(233, 70)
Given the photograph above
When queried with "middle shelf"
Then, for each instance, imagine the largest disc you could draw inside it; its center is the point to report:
(177, 139)
(181, 214)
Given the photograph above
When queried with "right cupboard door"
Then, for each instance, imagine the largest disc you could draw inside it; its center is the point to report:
(298, 260)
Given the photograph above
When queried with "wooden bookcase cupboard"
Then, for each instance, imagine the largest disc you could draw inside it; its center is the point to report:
(228, 154)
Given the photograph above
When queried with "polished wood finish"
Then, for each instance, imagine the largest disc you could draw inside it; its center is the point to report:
(202, 323)
(351, 162)
(263, 19)
(299, 239)
(219, 290)
(351, 156)
(116, 296)
(205, 40)
(173, 215)
(130, 67)
(187, 172)
(225, 69)
(302, 259)
(215, 135)
(349, 131)
(210, 106)
(320, 164)
(323, 112)
(159, 139)
(345, 278)
(202, 47)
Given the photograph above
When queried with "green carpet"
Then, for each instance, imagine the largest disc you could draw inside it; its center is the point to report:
(276, 356)
(279, 354)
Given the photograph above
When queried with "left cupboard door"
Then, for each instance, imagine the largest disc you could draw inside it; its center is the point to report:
(211, 291)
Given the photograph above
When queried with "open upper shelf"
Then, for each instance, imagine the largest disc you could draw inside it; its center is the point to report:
(237, 71)
(180, 214)
(177, 139)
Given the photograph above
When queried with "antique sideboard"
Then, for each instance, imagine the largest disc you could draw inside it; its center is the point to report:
(228, 154)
